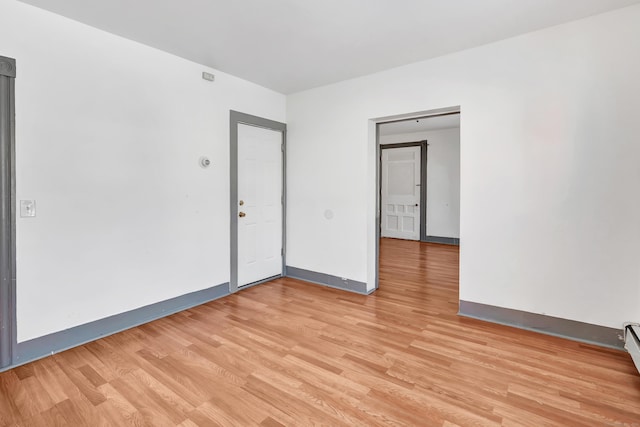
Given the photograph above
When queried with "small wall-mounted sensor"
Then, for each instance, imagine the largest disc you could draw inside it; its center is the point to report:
(205, 162)
(208, 76)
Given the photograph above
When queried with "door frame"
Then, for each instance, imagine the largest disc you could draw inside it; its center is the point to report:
(374, 269)
(8, 335)
(423, 182)
(236, 118)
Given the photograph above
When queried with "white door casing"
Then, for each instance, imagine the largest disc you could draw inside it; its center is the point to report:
(400, 199)
(259, 204)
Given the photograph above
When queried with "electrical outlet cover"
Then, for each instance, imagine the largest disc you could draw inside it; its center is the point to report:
(27, 208)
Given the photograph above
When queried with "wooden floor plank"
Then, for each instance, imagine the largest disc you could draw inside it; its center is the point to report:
(292, 353)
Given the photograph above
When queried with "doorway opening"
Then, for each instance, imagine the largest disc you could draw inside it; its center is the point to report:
(257, 149)
(418, 197)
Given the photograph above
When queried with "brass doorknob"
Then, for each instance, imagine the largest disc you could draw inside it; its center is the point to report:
(242, 214)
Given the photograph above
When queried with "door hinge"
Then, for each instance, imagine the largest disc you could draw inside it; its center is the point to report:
(282, 251)
(282, 147)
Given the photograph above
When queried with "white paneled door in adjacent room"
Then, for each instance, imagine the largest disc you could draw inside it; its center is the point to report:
(259, 204)
(400, 207)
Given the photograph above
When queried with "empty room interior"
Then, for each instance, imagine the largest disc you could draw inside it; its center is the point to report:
(282, 213)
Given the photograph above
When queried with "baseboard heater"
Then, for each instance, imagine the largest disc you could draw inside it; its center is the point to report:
(632, 342)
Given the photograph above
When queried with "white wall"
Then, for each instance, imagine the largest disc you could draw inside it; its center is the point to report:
(550, 217)
(109, 133)
(443, 178)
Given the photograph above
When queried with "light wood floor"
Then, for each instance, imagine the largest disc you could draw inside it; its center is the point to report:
(291, 353)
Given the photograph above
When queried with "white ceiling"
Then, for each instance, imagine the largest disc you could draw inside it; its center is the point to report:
(421, 125)
(293, 45)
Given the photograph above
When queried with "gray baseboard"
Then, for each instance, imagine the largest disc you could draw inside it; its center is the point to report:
(570, 329)
(56, 342)
(327, 280)
(443, 240)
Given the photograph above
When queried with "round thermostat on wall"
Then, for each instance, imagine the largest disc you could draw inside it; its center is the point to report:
(205, 162)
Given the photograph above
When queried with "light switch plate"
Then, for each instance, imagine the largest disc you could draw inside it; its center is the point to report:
(27, 208)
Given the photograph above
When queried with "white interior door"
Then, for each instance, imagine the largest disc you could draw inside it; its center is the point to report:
(400, 207)
(259, 204)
